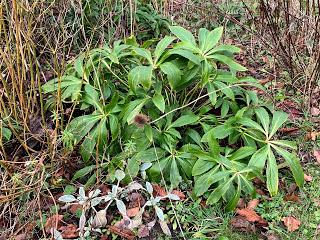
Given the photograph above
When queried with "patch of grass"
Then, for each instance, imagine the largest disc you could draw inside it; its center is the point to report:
(199, 222)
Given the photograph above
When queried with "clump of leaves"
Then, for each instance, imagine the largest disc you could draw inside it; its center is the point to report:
(176, 110)
(98, 219)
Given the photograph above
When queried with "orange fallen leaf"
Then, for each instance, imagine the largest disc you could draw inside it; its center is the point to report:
(241, 203)
(292, 198)
(291, 223)
(307, 178)
(316, 154)
(241, 224)
(158, 191)
(132, 212)
(53, 222)
(70, 231)
(75, 207)
(253, 204)
(251, 216)
(288, 130)
(312, 136)
(179, 194)
(125, 233)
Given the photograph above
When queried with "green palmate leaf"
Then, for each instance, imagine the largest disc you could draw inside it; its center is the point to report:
(212, 93)
(114, 126)
(205, 181)
(213, 145)
(272, 173)
(133, 167)
(184, 120)
(162, 46)
(278, 119)
(225, 108)
(150, 155)
(183, 34)
(251, 124)
(175, 177)
(293, 163)
(212, 38)
(113, 103)
(173, 74)
(232, 204)
(82, 125)
(228, 61)
(219, 132)
(259, 158)
(215, 196)
(140, 75)
(184, 53)
(70, 85)
(155, 171)
(65, 81)
(83, 172)
(201, 166)
(242, 153)
(158, 101)
(148, 132)
(97, 136)
(263, 117)
(285, 143)
(143, 53)
(78, 65)
(227, 77)
(92, 180)
(225, 89)
(203, 32)
(92, 97)
(132, 109)
(224, 48)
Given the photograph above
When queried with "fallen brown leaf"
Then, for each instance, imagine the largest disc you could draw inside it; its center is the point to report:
(312, 136)
(53, 222)
(143, 231)
(307, 178)
(253, 204)
(179, 194)
(70, 231)
(260, 192)
(241, 203)
(125, 233)
(291, 223)
(75, 207)
(292, 198)
(272, 236)
(132, 212)
(241, 224)
(316, 154)
(136, 200)
(158, 191)
(251, 216)
(288, 130)
(291, 188)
